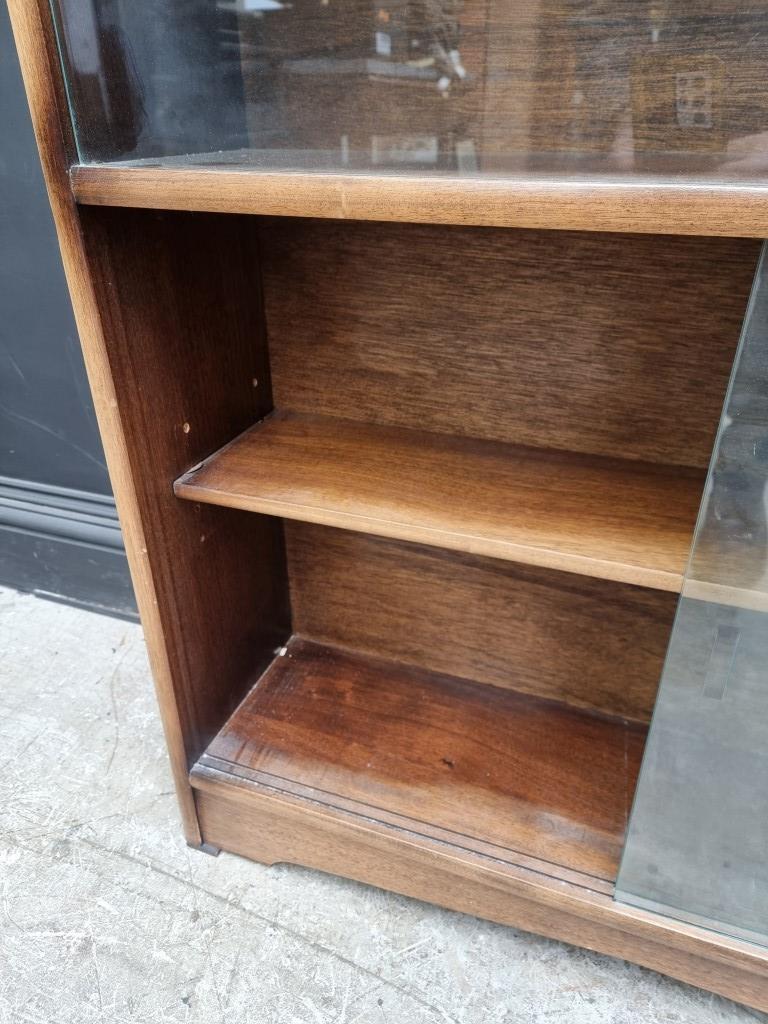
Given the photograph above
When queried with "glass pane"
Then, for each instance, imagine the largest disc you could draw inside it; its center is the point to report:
(588, 87)
(698, 837)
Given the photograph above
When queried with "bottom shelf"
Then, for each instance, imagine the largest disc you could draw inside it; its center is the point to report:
(515, 777)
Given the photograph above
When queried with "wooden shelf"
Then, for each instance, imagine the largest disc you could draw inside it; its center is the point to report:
(637, 204)
(619, 520)
(464, 793)
(517, 777)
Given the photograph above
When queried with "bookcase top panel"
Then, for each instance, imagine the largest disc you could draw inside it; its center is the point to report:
(570, 90)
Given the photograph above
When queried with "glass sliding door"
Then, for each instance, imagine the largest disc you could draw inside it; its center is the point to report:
(697, 844)
(591, 89)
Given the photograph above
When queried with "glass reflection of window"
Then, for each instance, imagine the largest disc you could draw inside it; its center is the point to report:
(459, 86)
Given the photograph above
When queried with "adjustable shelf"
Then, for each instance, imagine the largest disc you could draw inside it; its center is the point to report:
(615, 520)
(408, 480)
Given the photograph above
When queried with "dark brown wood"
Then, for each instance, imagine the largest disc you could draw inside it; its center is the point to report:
(586, 642)
(625, 521)
(646, 204)
(186, 353)
(38, 54)
(611, 345)
(258, 822)
(585, 343)
(441, 754)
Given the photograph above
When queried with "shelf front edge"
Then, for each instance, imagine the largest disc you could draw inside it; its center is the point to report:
(315, 470)
(646, 205)
(508, 551)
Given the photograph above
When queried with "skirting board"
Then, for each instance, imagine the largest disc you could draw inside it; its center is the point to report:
(65, 545)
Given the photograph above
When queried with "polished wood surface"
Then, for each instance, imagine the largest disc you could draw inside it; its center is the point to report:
(188, 359)
(653, 205)
(624, 521)
(440, 754)
(583, 641)
(172, 347)
(606, 344)
(211, 582)
(38, 55)
(257, 821)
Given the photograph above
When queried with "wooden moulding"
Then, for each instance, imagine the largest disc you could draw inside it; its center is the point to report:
(259, 822)
(333, 759)
(623, 521)
(644, 205)
(378, 772)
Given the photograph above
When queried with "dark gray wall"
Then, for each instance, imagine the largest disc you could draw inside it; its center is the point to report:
(58, 529)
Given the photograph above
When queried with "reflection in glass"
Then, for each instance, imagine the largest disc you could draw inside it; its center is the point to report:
(587, 87)
(698, 838)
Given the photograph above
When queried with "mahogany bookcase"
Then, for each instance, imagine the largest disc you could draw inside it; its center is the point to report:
(409, 463)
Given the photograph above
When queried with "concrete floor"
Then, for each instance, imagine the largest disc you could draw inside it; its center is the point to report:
(105, 915)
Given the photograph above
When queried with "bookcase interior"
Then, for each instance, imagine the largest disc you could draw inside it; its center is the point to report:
(434, 493)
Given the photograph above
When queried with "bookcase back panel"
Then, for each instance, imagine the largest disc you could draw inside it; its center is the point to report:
(571, 638)
(608, 344)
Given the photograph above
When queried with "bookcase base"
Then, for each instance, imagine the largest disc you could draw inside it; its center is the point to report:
(253, 821)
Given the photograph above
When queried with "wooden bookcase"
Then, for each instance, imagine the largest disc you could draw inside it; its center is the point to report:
(408, 482)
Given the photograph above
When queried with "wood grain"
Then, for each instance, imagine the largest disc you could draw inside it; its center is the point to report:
(38, 55)
(442, 753)
(171, 354)
(625, 521)
(654, 205)
(172, 347)
(611, 345)
(185, 345)
(570, 638)
(258, 822)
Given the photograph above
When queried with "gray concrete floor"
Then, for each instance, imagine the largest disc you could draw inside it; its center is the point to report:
(105, 915)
